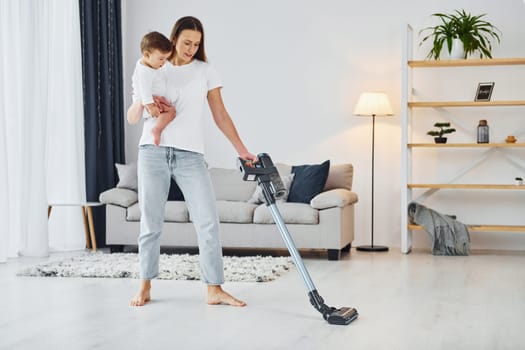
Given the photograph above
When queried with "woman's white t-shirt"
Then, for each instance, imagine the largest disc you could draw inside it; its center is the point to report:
(187, 89)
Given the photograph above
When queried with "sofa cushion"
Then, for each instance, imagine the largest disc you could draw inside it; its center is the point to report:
(127, 176)
(133, 213)
(229, 185)
(236, 212)
(308, 182)
(174, 211)
(338, 197)
(340, 176)
(283, 169)
(292, 213)
(258, 197)
(119, 196)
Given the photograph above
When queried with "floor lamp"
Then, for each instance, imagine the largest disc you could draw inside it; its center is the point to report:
(372, 104)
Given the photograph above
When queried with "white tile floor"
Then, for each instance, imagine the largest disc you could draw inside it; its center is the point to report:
(415, 301)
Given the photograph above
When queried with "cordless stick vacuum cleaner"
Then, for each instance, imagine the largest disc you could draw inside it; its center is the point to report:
(267, 177)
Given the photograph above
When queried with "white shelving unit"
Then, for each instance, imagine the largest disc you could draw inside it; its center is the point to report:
(407, 163)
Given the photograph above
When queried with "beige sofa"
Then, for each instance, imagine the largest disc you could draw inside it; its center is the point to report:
(326, 223)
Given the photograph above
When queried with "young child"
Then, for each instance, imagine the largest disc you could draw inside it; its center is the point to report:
(149, 80)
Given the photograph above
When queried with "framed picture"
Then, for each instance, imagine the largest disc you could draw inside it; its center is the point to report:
(484, 91)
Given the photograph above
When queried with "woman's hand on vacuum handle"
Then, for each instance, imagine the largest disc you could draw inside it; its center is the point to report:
(248, 156)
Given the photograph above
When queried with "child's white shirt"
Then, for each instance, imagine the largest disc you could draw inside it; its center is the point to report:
(147, 82)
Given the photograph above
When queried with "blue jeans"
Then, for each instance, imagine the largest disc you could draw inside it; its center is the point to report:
(156, 165)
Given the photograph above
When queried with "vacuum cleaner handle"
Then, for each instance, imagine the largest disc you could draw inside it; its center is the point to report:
(263, 171)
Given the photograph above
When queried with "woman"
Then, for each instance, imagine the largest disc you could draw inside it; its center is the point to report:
(191, 82)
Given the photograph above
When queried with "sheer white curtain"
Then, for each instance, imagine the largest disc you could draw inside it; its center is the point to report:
(65, 128)
(41, 128)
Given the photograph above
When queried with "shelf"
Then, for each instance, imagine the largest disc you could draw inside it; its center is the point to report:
(416, 105)
(482, 228)
(466, 103)
(466, 145)
(469, 186)
(468, 62)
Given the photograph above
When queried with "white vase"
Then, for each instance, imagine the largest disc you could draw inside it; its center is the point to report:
(457, 51)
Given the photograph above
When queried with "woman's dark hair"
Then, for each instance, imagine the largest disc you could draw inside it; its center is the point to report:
(190, 23)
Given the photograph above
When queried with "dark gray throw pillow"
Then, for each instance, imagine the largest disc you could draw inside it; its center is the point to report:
(308, 181)
(175, 193)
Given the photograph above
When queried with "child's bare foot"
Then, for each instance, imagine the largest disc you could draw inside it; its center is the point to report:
(217, 296)
(143, 295)
(156, 135)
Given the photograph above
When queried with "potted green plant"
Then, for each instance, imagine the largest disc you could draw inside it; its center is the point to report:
(473, 32)
(518, 180)
(444, 128)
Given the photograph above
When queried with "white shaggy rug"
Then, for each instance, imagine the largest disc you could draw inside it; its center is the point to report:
(172, 267)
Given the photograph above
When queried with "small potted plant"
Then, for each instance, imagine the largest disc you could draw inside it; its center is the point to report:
(473, 32)
(444, 128)
(518, 181)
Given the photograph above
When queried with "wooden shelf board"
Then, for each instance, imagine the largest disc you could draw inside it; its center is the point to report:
(470, 186)
(466, 103)
(466, 145)
(468, 62)
(480, 228)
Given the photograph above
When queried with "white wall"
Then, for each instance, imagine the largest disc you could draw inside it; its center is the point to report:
(293, 70)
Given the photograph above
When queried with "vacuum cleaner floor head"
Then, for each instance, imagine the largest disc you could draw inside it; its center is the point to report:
(342, 316)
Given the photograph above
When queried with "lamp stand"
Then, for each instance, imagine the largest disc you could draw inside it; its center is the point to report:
(372, 247)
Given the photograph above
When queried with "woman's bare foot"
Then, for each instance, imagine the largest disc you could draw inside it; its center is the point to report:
(217, 296)
(143, 295)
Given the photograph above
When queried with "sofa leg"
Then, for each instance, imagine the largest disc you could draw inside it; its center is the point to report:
(346, 248)
(334, 254)
(116, 248)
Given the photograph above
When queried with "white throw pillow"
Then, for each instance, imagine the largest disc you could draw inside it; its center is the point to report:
(127, 176)
(258, 197)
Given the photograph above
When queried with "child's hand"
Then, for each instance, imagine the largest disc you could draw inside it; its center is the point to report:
(162, 103)
(153, 110)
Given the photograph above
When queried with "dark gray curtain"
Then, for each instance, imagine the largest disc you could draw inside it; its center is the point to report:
(103, 102)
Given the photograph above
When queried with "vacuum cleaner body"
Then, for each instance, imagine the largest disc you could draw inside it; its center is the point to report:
(267, 176)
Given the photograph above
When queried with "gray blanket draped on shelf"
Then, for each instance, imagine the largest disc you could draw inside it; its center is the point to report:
(449, 236)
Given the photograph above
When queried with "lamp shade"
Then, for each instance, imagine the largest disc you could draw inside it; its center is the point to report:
(373, 104)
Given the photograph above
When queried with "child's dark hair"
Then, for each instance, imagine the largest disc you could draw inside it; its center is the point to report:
(155, 41)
